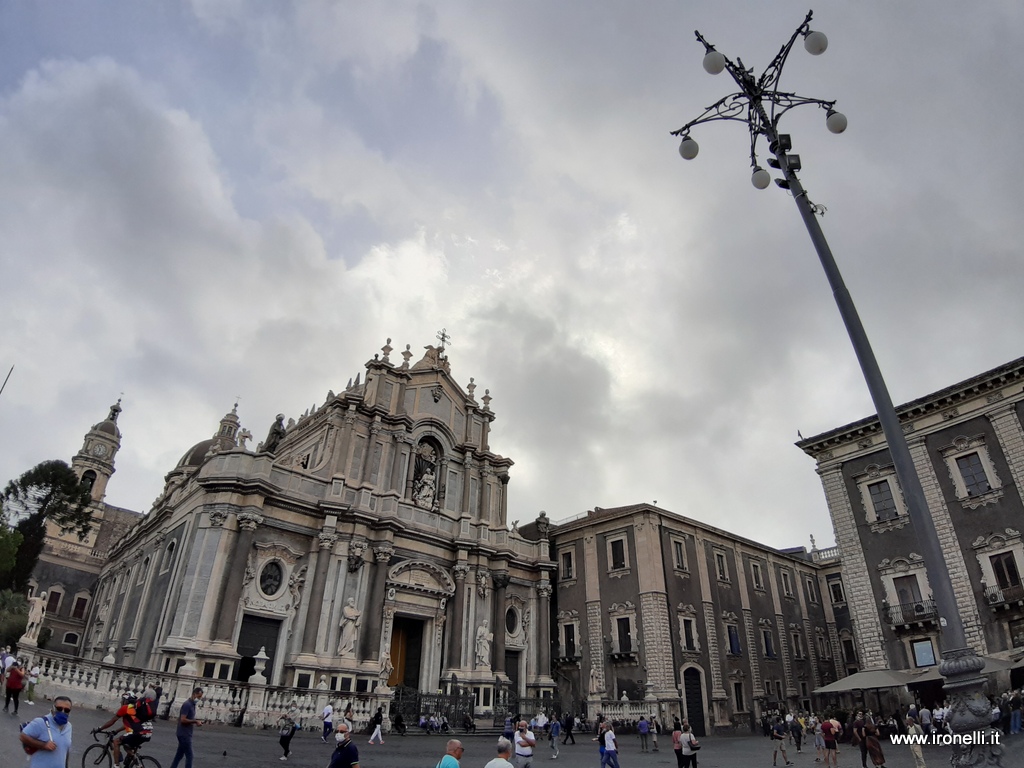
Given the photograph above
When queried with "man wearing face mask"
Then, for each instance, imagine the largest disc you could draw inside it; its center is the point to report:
(345, 754)
(49, 737)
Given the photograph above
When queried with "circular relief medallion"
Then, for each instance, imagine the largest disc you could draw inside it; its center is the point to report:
(270, 578)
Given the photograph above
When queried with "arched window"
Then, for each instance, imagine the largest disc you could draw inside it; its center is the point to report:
(53, 597)
(70, 638)
(88, 479)
(168, 558)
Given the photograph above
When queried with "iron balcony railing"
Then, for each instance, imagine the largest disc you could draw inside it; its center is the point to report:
(911, 613)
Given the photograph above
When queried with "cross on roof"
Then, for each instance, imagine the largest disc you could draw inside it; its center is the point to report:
(444, 338)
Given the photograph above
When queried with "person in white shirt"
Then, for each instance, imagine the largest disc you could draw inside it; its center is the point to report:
(504, 755)
(611, 748)
(525, 742)
(328, 717)
(926, 720)
(542, 721)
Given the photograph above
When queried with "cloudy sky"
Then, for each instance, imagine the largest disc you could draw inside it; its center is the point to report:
(209, 200)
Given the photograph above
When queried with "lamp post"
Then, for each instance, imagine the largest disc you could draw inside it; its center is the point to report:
(760, 105)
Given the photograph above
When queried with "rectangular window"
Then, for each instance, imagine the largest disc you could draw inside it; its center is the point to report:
(78, 612)
(973, 473)
(924, 653)
(210, 669)
(798, 646)
(679, 555)
(689, 635)
(787, 584)
(568, 571)
(882, 500)
(755, 575)
(822, 647)
(908, 592)
(835, 589)
(617, 547)
(812, 593)
(625, 636)
(778, 689)
(734, 640)
(1004, 566)
(569, 632)
(53, 601)
(1016, 628)
(721, 567)
(849, 653)
(767, 643)
(737, 692)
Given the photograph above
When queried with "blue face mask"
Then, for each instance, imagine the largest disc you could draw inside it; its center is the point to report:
(60, 718)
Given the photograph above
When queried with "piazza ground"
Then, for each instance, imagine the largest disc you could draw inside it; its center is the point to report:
(248, 748)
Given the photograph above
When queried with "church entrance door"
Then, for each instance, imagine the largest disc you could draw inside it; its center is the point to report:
(694, 701)
(406, 652)
(512, 670)
(256, 632)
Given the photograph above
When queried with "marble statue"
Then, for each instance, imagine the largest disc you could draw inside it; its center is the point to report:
(350, 621)
(483, 644)
(36, 614)
(275, 435)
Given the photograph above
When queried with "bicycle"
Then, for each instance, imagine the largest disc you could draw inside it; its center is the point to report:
(101, 755)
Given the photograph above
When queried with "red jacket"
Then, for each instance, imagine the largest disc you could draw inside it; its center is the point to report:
(15, 679)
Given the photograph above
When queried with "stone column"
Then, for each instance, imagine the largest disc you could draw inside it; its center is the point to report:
(500, 581)
(543, 629)
(504, 478)
(311, 629)
(369, 636)
(248, 522)
(460, 571)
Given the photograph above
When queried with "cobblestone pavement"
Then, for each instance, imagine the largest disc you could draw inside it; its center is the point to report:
(219, 746)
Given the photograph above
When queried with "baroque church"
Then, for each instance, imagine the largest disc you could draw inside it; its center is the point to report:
(362, 545)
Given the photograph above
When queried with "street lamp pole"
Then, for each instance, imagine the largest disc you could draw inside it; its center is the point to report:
(760, 105)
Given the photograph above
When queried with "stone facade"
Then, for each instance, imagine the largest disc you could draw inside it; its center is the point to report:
(967, 444)
(686, 619)
(362, 546)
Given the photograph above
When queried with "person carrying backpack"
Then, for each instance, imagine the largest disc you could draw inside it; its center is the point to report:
(136, 717)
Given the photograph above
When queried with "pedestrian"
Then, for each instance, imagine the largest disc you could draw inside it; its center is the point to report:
(779, 741)
(345, 754)
(15, 682)
(643, 728)
(610, 759)
(655, 730)
(677, 742)
(348, 717)
(33, 678)
(49, 737)
(452, 754)
(378, 721)
(525, 742)
(830, 731)
(689, 745)
(328, 717)
(288, 724)
(186, 722)
(553, 734)
(509, 729)
(860, 737)
(1016, 705)
(873, 744)
(814, 726)
(569, 724)
(797, 732)
(503, 760)
(913, 729)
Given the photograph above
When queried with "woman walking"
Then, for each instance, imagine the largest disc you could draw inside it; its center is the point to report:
(288, 725)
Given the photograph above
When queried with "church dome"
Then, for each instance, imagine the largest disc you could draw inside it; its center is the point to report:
(109, 425)
(224, 440)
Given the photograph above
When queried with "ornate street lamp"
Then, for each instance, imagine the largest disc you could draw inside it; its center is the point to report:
(760, 105)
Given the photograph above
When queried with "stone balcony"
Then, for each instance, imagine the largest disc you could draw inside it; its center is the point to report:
(919, 613)
(1004, 598)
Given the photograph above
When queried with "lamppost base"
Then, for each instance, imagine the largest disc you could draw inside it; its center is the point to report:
(976, 742)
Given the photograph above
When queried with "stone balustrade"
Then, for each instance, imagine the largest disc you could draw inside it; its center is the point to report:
(99, 684)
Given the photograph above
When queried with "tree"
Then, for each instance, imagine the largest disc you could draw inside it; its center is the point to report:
(49, 492)
(13, 617)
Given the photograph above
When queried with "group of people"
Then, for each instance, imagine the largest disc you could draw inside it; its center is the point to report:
(14, 679)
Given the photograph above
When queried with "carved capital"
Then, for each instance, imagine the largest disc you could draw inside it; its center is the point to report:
(383, 553)
(460, 571)
(249, 521)
(217, 517)
(501, 580)
(544, 591)
(327, 540)
(355, 555)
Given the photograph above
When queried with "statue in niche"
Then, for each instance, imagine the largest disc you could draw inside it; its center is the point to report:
(483, 644)
(386, 667)
(275, 435)
(595, 684)
(36, 613)
(350, 621)
(424, 488)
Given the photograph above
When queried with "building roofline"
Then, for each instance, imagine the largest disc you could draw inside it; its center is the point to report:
(944, 398)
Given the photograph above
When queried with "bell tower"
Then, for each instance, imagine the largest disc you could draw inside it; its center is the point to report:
(94, 463)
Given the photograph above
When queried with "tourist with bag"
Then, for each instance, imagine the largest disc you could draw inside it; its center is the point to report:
(47, 740)
(689, 746)
(288, 723)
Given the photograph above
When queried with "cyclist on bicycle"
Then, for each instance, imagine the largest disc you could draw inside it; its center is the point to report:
(136, 717)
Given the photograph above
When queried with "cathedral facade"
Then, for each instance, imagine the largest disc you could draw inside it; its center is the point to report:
(361, 547)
